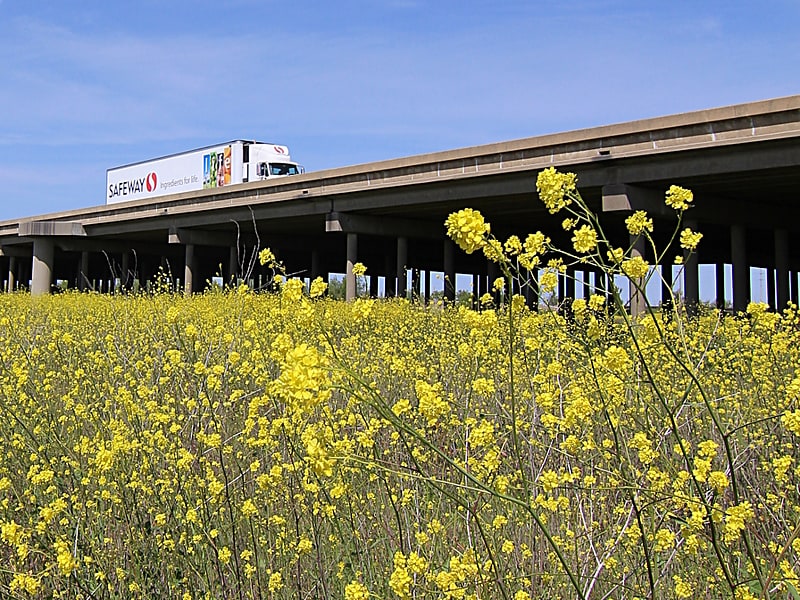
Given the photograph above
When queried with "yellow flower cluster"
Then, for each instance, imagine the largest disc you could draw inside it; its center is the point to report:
(679, 198)
(468, 229)
(736, 518)
(690, 239)
(356, 590)
(585, 239)
(318, 288)
(266, 257)
(555, 188)
(635, 267)
(638, 223)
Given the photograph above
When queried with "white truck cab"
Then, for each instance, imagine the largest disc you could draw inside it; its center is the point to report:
(270, 160)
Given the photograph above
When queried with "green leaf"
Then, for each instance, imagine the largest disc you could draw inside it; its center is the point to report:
(755, 588)
(795, 595)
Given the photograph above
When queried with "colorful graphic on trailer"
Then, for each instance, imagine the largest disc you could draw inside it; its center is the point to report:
(217, 168)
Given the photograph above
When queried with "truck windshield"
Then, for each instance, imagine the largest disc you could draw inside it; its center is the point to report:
(282, 169)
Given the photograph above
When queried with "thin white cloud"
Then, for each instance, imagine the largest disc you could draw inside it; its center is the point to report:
(393, 82)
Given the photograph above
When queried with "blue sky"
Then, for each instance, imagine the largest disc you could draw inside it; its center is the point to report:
(90, 85)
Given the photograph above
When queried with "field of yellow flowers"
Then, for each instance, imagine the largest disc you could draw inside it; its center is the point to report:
(240, 445)
(235, 445)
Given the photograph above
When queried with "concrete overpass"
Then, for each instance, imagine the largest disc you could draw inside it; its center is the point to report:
(742, 162)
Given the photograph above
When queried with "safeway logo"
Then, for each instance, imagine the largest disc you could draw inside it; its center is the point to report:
(151, 182)
(280, 149)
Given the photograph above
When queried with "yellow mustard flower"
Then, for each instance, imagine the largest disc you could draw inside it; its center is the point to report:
(555, 189)
(468, 229)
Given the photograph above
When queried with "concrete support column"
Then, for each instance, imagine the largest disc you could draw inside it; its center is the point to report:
(24, 274)
(492, 273)
(567, 294)
(691, 276)
(189, 271)
(373, 286)
(587, 289)
(352, 259)
(666, 285)
(389, 279)
(781, 268)
(233, 264)
(83, 271)
(402, 261)
(719, 273)
(741, 270)
(124, 277)
(532, 289)
(569, 286)
(638, 299)
(12, 273)
(415, 284)
(42, 265)
(607, 283)
(771, 297)
(315, 265)
(428, 284)
(449, 270)
(134, 272)
(145, 272)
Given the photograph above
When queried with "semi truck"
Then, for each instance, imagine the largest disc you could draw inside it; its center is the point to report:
(238, 161)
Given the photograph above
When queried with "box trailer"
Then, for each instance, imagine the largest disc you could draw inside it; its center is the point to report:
(218, 166)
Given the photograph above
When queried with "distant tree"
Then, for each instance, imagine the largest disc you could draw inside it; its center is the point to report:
(336, 287)
(464, 298)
